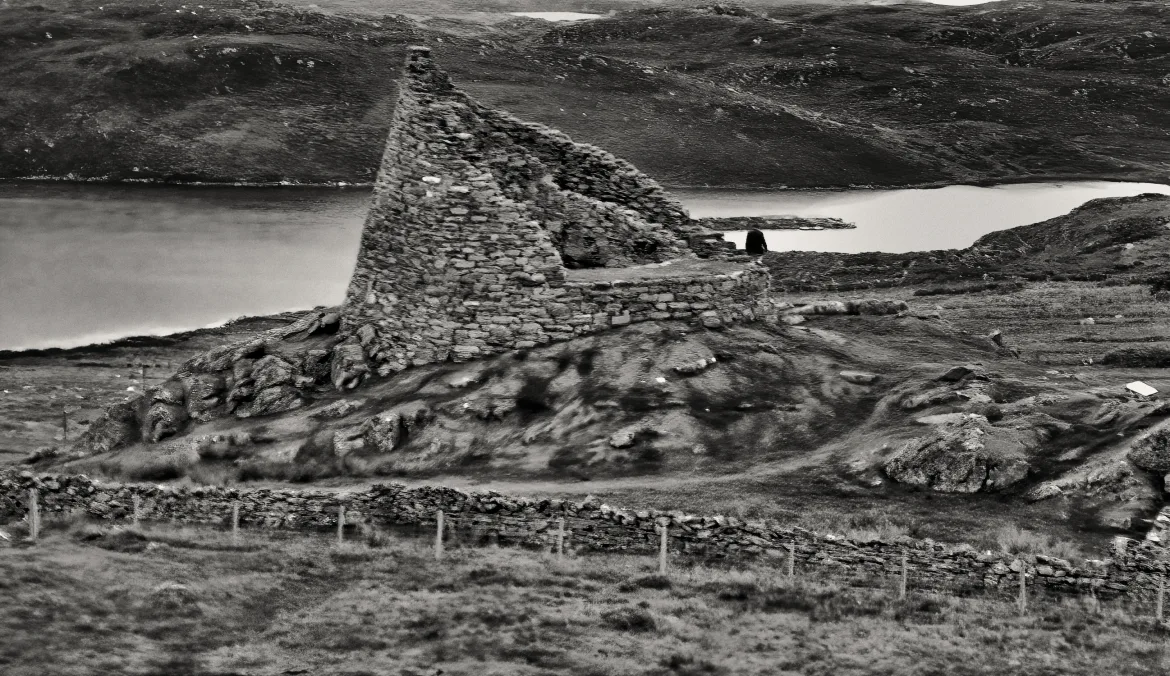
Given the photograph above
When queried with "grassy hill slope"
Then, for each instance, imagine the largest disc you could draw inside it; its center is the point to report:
(783, 94)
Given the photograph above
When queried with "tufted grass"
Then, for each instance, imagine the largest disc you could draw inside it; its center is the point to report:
(191, 603)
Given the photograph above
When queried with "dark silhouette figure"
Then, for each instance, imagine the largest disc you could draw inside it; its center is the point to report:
(756, 245)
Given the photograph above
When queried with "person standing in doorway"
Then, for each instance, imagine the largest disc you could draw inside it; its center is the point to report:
(756, 245)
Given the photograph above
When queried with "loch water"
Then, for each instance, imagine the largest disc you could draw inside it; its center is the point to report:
(84, 263)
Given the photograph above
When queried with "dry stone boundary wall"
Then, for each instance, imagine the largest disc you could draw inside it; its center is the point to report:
(1134, 568)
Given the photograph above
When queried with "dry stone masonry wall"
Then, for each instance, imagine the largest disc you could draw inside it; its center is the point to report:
(1134, 568)
(475, 217)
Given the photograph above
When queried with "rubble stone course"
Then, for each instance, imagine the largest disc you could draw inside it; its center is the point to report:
(1133, 568)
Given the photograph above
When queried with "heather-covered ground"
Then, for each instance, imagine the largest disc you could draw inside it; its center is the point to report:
(774, 94)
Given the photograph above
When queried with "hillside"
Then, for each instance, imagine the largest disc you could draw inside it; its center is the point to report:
(775, 95)
(1125, 240)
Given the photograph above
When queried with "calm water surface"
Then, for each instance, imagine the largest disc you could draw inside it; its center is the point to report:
(81, 264)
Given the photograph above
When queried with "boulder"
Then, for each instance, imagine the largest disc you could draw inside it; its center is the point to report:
(962, 457)
(484, 408)
(388, 430)
(825, 307)
(695, 367)
(222, 358)
(339, 408)
(169, 392)
(1044, 491)
(957, 373)
(205, 395)
(875, 306)
(164, 420)
(628, 436)
(317, 366)
(271, 371)
(935, 397)
(348, 440)
(242, 370)
(348, 367)
(383, 432)
(118, 426)
(271, 400)
(1151, 451)
(859, 377)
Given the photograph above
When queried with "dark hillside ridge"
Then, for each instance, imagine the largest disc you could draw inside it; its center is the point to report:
(1126, 238)
(792, 95)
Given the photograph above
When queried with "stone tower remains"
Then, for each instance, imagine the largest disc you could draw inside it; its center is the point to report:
(476, 218)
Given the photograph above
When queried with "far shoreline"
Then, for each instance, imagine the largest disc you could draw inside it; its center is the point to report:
(989, 182)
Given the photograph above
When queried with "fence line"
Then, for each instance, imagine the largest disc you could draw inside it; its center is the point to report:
(1021, 601)
(1136, 570)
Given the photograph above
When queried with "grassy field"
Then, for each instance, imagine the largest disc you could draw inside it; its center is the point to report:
(1044, 319)
(162, 600)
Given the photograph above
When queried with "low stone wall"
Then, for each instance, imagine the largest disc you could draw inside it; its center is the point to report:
(1134, 568)
(713, 299)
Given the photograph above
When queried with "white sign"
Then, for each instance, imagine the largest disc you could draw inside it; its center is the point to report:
(1138, 387)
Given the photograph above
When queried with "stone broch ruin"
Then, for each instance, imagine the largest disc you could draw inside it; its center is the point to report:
(486, 234)
(479, 218)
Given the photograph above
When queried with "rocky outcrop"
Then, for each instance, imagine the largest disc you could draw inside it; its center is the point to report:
(387, 431)
(118, 426)
(962, 457)
(1152, 451)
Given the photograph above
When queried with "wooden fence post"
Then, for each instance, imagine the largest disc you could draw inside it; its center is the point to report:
(340, 524)
(236, 522)
(34, 514)
(1022, 603)
(1161, 595)
(662, 552)
(439, 536)
(791, 561)
(561, 539)
(137, 508)
(902, 585)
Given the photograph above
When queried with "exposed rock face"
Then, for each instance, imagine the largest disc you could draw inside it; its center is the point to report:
(339, 409)
(271, 371)
(275, 399)
(118, 426)
(164, 420)
(388, 430)
(349, 366)
(1152, 451)
(962, 457)
(205, 395)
